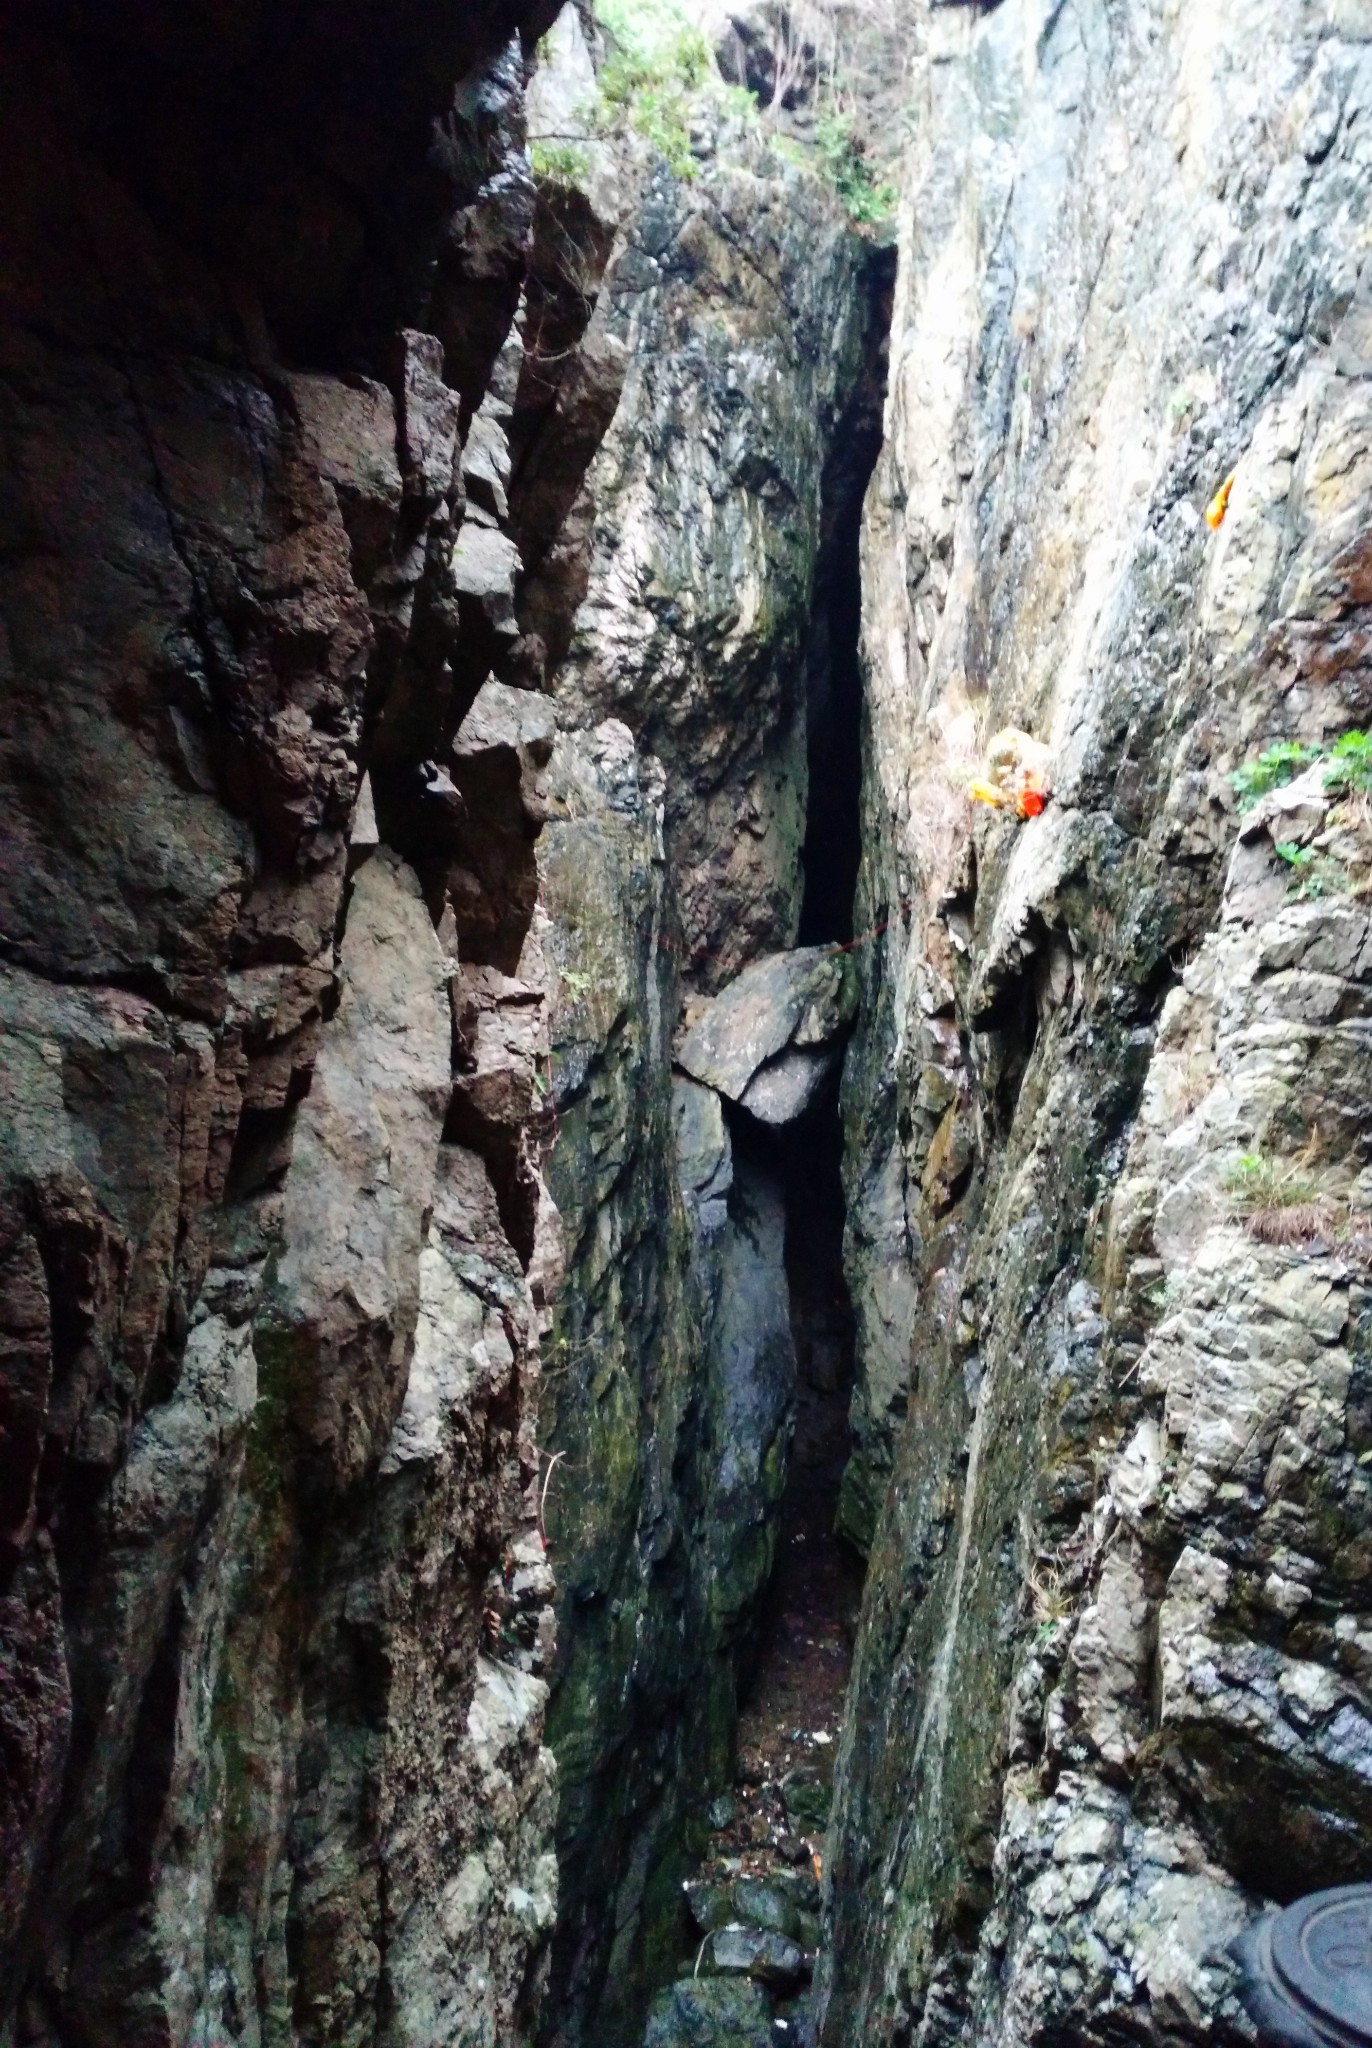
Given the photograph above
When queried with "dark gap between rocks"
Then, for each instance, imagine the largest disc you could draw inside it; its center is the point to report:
(833, 678)
(793, 1705)
(757, 1892)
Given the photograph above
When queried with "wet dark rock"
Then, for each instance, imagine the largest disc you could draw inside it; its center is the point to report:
(710, 1905)
(807, 1804)
(760, 1903)
(265, 1426)
(680, 586)
(710, 2012)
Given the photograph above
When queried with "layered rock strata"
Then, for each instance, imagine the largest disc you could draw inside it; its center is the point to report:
(1109, 1695)
(273, 1245)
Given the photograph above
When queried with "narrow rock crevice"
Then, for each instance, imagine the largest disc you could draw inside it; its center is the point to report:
(832, 847)
(804, 1649)
(746, 1948)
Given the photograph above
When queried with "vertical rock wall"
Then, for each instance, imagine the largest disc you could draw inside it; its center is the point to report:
(273, 1247)
(740, 303)
(1110, 1692)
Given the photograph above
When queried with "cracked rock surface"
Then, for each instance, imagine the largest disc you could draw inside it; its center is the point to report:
(1107, 1112)
(274, 1250)
(740, 307)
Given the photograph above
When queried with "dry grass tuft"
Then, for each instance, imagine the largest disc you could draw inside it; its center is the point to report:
(1294, 1225)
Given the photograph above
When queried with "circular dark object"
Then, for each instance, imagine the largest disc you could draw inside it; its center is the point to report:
(1308, 1971)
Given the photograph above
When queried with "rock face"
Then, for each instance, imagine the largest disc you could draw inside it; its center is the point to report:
(274, 1251)
(1109, 1694)
(422, 588)
(704, 2014)
(741, 303)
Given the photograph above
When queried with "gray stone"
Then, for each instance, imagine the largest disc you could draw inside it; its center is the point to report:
(758, 1902)
(345, 1293)
(786, 1086)
(705, 1164)
(770, 1037)
(757, 1952)
(485, 564)
(710, 1905)
(710, 2012)
(1108, 1460)
(486, 466)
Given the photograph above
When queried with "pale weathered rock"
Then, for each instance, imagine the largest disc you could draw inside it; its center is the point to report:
(1100, 1701)
(485, 565)
(345, 1293)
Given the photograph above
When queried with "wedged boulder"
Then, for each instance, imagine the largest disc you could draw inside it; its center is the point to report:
(776, 1905)
(770, 1038)
(710, 2012)
(760, 1953)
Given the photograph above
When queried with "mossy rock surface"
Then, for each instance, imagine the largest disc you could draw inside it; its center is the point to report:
(710, 2012)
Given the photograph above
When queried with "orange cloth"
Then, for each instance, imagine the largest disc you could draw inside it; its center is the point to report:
(1019, 771)
(1219, 504)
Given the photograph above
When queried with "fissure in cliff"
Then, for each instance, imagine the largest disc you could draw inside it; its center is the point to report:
(436, 754)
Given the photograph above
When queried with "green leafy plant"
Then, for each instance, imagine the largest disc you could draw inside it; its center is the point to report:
(560, 161)
(845, 162)
(1350, 763)
(1273, 768)
(1348, 770)
(658, 59)
(1050, 1600)
(1313, 873)
(1256, 1182)
(1160, 1295)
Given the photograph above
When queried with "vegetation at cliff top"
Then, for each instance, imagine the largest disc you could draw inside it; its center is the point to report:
(659, 71)
(1256, 1182)
(1273, 768)
(1290, 1202)
(1313, 873)
(657, 62)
